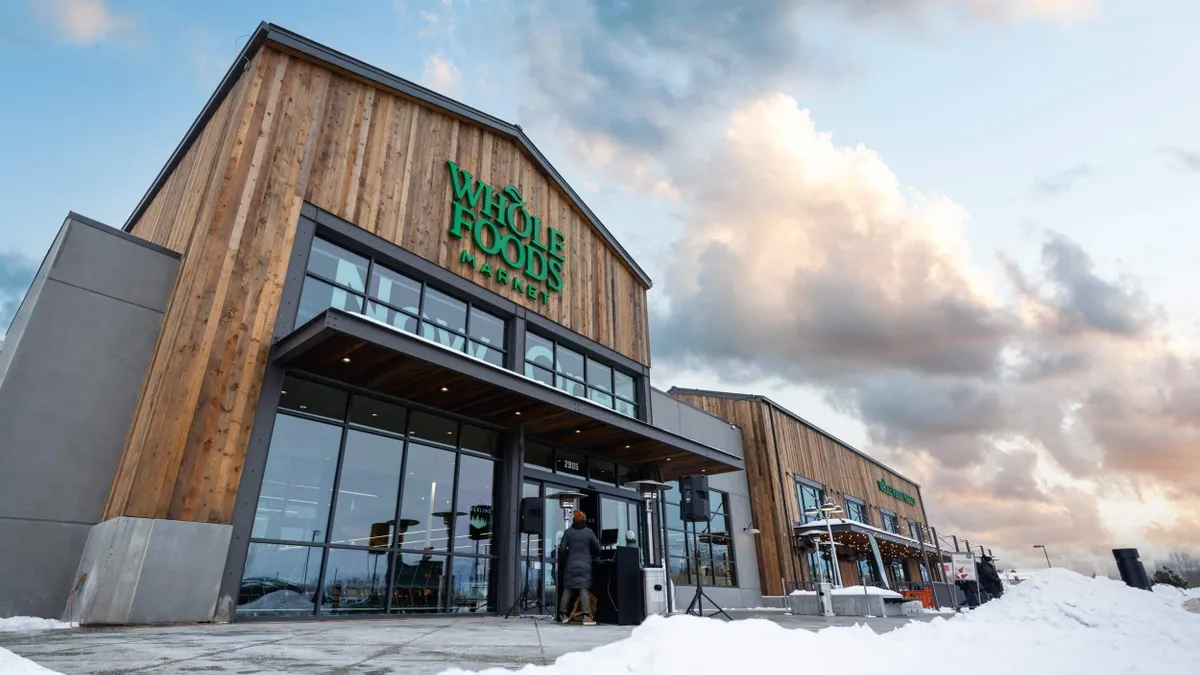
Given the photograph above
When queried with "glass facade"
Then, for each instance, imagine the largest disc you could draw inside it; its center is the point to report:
(368, 507)
(579, 375)
(706, 545)
(809, 496)
(914, 530)
(856, 510)
(888, 521)
(345, 280)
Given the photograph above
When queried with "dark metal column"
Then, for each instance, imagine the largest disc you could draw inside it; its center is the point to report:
(508, 515)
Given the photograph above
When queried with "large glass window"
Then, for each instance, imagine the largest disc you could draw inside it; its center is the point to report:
(405, 525)
(579, 375)
(856, 510)
(366, 497)
(914, 530)
(889, 521)
(708, 545)
(810, 496)
(350, 282)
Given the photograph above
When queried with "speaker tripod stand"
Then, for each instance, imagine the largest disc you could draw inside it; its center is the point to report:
(528, 596)
(698, 599)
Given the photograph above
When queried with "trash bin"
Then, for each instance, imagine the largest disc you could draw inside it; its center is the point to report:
(1129, 564)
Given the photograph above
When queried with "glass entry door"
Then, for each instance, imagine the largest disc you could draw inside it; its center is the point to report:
(620, 518)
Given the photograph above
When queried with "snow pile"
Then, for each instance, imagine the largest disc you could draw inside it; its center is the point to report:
(11, 664)
(1059, 622)
(22, 623)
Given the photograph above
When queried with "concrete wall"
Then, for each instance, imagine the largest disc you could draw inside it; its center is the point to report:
(681, 418)
(70, 374)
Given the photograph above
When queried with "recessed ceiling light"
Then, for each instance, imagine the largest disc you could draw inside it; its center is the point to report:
(374, 414)
(304, 407)
(577, 431)
(518, 412)
(445, 389)
(668, 459)
(284, 393)
(345, 359)
(449, 433)
(627, 447)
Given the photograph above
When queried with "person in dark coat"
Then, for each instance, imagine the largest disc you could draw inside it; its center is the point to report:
(579, 547)
(989, 578)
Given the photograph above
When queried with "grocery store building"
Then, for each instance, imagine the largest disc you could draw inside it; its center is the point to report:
(349, 328)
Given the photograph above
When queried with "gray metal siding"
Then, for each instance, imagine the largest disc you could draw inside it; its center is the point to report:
(74, 371)
(672, 415)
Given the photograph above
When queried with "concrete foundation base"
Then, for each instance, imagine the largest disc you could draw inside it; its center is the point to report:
(855, 605)
(145, 571)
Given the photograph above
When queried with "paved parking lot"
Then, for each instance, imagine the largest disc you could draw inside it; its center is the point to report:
(410, 646)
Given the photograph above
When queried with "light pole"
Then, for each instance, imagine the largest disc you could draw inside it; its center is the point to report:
(1043, 547)
(827, 511)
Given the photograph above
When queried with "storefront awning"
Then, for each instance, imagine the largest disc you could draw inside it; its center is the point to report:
(854, 534)
(362, 352)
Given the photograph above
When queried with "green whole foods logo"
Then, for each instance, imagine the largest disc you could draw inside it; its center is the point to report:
(517, 251)
(889, 490)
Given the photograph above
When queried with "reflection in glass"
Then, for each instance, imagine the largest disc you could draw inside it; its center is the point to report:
(420, 583)
(298, 481)
(486, 328)
(625, 474)
(473, 530)
(355, 582)
(599, 376)
(366, 495)
(602, 470)
(626, 408)
(600, 397)
(392, 317)
(428, 489)
(338, 265)
(426, 427)
(539, 350)
(480, 440)
(810, 497)
(395, 289)
(318, 296)
(539, 456)
(485, 353)
(279, 578)
(312, 399)
(444, 311)
(443, 336)
(570, 386)
(540, 374)
(569, 363)
(614, 515)
(370, 412)
(623, 386)
(469, 585)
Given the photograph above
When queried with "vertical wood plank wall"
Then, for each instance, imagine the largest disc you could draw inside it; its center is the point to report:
(805, 452)
(293, 131)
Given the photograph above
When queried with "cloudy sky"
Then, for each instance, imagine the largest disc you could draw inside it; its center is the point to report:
(960, 234)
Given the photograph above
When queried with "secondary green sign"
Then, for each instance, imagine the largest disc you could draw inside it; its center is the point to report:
(515, 251)
(889, 490)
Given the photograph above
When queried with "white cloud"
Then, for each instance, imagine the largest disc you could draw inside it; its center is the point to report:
(440, 74)
(1064, 11)
(86, 22)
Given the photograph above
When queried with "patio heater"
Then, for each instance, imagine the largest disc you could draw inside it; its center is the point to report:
(568, 501)
(827, 511)
(649, 491)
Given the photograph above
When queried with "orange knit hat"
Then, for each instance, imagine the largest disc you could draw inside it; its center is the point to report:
(578, 514)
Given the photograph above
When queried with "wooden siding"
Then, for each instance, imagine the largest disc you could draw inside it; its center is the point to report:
(293, 131)
(805, 452)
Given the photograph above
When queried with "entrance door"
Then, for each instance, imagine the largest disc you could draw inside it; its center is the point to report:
(618, 519)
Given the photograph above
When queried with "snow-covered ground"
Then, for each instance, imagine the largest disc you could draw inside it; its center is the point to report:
(10, 663)
(1058, 622)
(856, 590)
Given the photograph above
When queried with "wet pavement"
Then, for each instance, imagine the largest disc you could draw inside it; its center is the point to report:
(410, 646)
